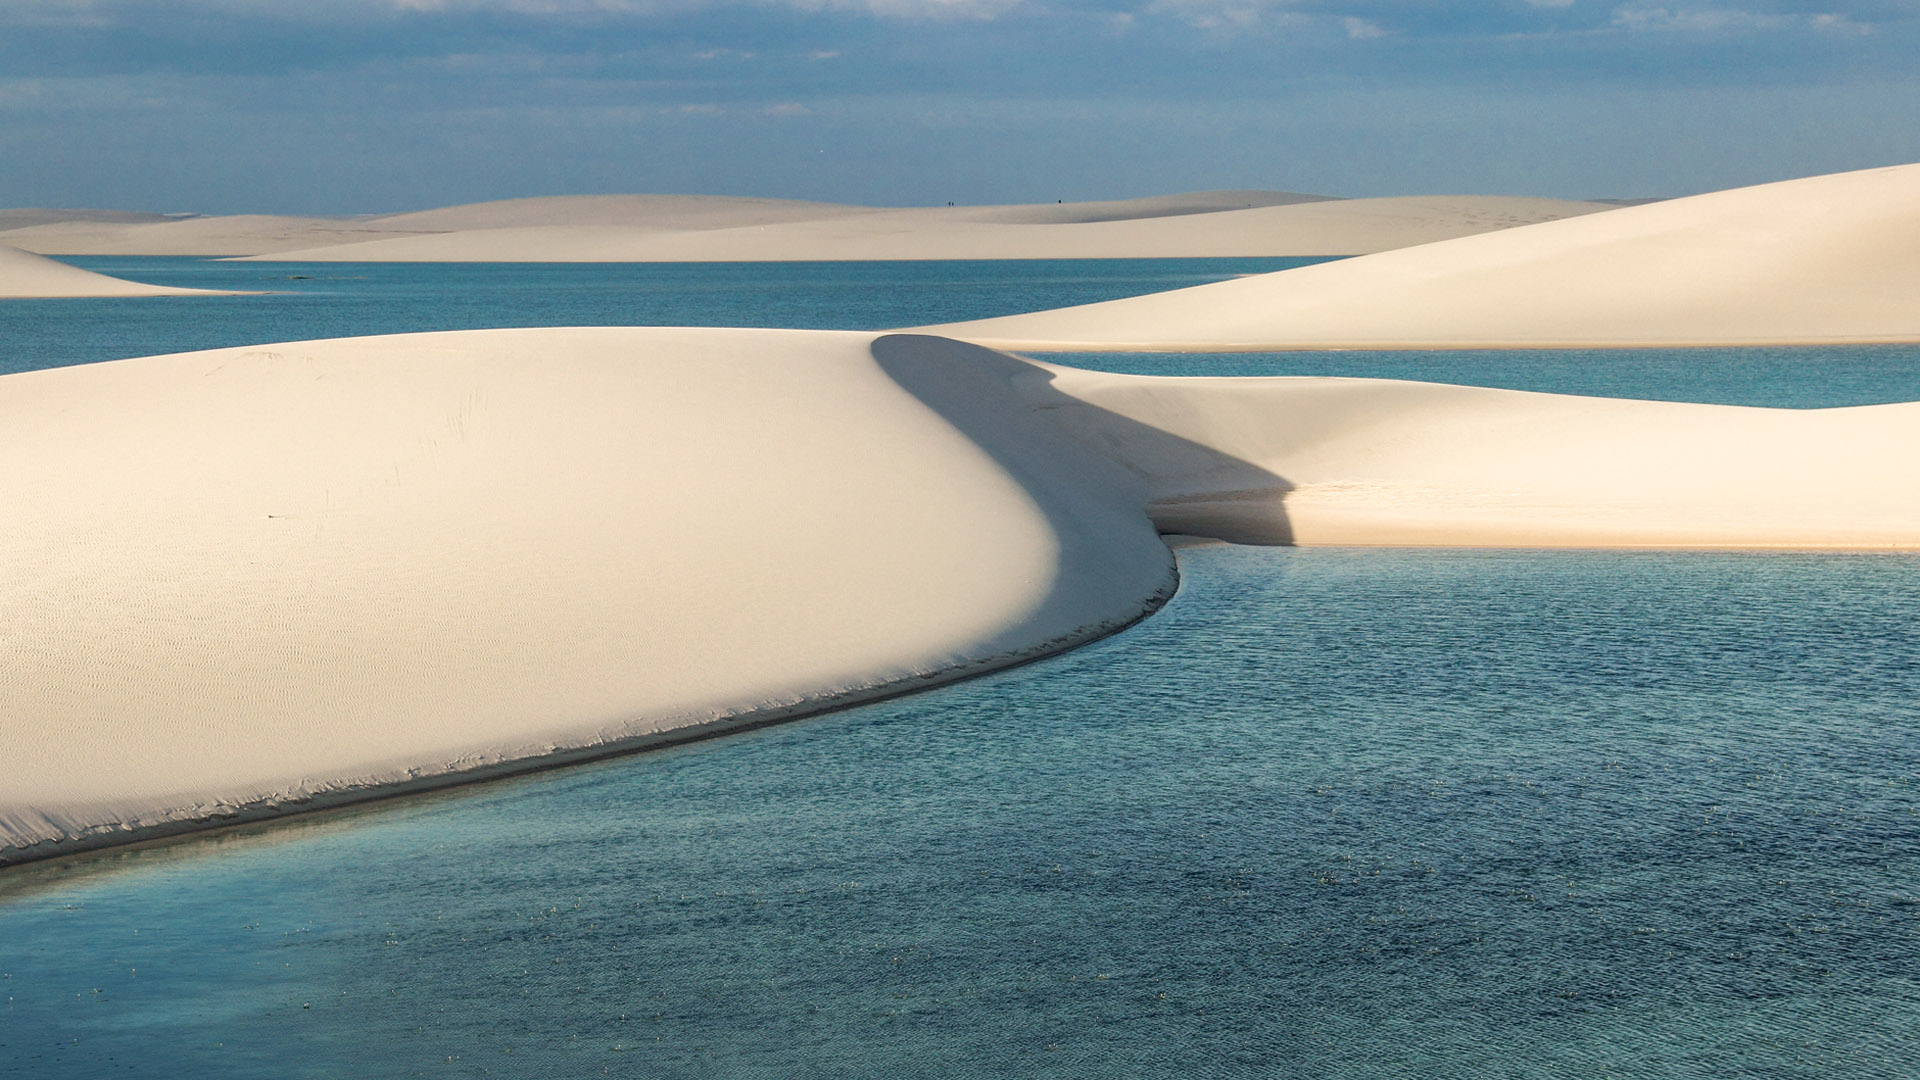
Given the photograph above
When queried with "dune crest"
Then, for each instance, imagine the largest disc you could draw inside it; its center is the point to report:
(1821, 260)
(27, 276)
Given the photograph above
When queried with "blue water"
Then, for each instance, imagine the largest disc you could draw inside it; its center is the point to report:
(1332, 813)
(320, 300)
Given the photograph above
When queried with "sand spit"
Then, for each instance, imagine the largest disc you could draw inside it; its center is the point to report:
(681, 228)
(25, 276)
(253, 581)
(1827, 259)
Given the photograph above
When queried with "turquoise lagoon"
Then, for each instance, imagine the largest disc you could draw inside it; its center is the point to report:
(1331, 813)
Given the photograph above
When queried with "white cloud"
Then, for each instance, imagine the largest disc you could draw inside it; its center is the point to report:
(1707, 20)
(1362, 29)
(911, 9)
(1228, 14)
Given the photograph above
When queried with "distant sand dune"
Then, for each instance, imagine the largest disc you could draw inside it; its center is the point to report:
(682, 228)
(27, 217)
(1826, 259)
(24, 276)
(1144, 229)
(240, 234)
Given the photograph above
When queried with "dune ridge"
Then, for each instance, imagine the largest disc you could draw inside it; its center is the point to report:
(250, 581)
(1826, 259)
(27, 276)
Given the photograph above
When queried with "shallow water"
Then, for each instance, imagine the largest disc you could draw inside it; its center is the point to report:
(320, 300)
(1332, 813)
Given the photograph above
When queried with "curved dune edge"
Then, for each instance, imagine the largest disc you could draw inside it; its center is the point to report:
(256, 581)
(25, 276)
(252, 581)
(1823, 260)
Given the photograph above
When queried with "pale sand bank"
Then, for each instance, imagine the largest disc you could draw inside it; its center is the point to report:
(682, 228)
(249, 581)
(28, 276)
(1822, 260)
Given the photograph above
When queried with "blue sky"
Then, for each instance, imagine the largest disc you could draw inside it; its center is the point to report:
(348, 106)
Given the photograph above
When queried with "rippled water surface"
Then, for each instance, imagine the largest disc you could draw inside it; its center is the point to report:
(1332, 813)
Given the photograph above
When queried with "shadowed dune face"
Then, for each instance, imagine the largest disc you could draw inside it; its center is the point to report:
(1825, 259)
(1013, 409)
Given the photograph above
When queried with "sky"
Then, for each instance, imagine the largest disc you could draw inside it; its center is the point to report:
(362, 106)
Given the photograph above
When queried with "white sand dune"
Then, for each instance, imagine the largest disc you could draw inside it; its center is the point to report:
(27, 217)
(244, 581)
(251, 581)
(1145, 229)
(1826, 259)
(1366, 461)
(681, 228)
(24, 275)
(653, 212)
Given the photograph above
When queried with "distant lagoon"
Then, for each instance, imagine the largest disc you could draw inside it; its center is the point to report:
(1332, 812)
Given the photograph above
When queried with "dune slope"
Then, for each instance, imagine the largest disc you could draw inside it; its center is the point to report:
(24, 275)
(1824, 259)
(248, 581)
